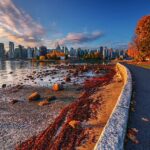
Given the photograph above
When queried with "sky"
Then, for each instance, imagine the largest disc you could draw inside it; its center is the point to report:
(74, 23)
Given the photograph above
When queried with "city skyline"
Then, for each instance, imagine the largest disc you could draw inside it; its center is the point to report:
(72, 23)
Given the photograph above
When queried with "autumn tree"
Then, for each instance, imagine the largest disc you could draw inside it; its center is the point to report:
(133, 50)
(142, 39)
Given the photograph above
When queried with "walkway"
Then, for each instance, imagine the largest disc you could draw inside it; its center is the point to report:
(140, 119)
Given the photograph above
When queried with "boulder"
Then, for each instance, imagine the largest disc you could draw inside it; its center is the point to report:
(34, 96)
(57, 87)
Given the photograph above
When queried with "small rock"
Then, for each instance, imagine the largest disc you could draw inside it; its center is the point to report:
(4, 86)
(14, 101)
(67, 79)
(74, 123)
(57, 87)
(34, 72)
(51, 98)
(42, 103)
(11, 72)
(34, 96)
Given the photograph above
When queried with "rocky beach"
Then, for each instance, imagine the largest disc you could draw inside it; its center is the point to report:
(60, 113)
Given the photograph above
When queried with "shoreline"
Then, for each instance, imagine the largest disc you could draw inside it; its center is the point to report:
(68, 129)
(79, 91)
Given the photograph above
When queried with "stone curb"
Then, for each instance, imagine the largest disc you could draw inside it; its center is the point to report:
(113, 134)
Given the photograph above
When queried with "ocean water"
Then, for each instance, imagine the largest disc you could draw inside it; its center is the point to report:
(15, 72)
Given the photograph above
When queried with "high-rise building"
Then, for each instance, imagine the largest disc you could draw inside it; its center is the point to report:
(36, 52)
(11, 52)
(20, 52)
(43, 50)
(72, 52)
(30, 53)
(20, 47)
(58, 48)
(66, 50)
(101, 49)
(2, 51)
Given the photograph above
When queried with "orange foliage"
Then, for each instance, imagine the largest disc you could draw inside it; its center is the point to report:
(42, 58)
(54, 54)
(132, 50)
(142, 39)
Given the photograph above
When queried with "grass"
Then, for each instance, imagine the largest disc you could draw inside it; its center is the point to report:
(147, 66)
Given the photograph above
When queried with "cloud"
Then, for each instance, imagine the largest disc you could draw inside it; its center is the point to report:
(80, 38)
(18, 26)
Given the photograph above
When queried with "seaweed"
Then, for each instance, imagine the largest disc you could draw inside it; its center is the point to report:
(60, 135)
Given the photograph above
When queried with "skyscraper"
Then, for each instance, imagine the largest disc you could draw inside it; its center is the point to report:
(43, 50)
(11, 50)
(2, 51)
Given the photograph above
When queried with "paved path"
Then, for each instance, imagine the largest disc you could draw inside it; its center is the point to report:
(141, 77)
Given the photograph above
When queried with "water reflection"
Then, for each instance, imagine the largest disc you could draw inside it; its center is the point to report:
(11, 72)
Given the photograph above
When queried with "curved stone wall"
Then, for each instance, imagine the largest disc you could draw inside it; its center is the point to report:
(113, 135)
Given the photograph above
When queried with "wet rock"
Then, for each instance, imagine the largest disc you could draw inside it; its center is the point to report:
(19, 86)
(51, 98)
(34, 96)
(67, 79)
(34, 72)
(3, 85)
(11, 72)
(14, 101)
(42, 103)
(74, 123)
(57, 87)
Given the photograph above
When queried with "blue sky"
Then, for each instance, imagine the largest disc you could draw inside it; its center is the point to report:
(78, 23)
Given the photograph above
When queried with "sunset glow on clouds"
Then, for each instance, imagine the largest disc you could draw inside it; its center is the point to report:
(73, 38)
(19, 27)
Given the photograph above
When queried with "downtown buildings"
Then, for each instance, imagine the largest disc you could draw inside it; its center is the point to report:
(20, 52)
(11, 51)
(2, 51)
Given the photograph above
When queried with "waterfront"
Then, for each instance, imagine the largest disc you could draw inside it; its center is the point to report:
(22, 120)
(13, 72)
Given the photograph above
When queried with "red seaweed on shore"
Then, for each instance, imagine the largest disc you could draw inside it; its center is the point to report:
(60, 135)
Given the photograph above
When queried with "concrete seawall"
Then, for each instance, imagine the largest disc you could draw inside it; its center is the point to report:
(113, 135)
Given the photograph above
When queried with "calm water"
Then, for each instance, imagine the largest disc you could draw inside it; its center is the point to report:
(19, 69)
(14, 72)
